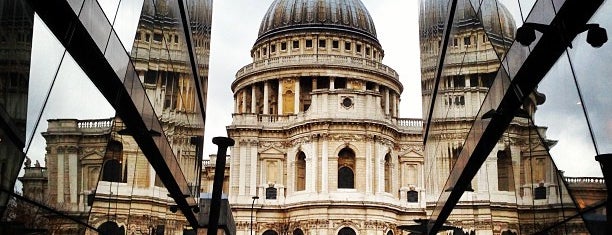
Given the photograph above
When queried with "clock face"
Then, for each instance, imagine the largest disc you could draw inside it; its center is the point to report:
(347, 102)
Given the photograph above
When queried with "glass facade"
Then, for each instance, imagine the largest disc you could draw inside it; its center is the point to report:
(144, 64)
(501, 148)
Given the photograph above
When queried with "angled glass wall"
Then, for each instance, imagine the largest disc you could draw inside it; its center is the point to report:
(120, 95)
(535, 176)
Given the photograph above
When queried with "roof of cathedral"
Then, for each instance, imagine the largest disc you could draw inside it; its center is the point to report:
(494, 16)
(343, 15)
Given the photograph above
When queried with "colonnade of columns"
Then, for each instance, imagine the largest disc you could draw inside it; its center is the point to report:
(289, 95)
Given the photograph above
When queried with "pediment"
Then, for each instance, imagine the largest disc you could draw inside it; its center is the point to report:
(272, 151)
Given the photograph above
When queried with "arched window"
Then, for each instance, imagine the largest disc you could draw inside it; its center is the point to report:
(388, 173)
(109, 228)
(270, 232)
(346, 231)
(298, 231)
(300, 172)
(113, 166)
(505, 179)
(346, 166)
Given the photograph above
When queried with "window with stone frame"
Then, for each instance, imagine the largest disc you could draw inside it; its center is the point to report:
(300, 172)
(271, 192)
(346, 166)
(505, 179)
(112, 168)
(413, 196)
(388, 168)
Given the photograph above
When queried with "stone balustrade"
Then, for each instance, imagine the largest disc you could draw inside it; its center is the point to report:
(585, 180)
(273, 120)
(328, 60)
(410, 122)
(95, 123)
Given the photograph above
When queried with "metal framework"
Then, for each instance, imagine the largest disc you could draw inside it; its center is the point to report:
(117, 82)
(515, 80)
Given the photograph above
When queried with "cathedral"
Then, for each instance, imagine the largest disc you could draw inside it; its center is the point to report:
(320, 147)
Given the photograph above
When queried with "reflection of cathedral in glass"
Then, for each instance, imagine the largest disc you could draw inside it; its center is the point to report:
(96, 170)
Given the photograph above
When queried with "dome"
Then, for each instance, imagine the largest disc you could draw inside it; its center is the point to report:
(496, 23)
(290, 15)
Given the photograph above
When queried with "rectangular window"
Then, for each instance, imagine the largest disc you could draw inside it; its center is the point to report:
(368, 51)
(175, 38)
(308, 43)
(347, 46)
(138, 37)
(467, 41)
(265, 50)
(283, 46)
(296, 44)
(335, 44)
(322, 43)
(157, 37)
(455, 42)
(148, 37)
(272, 48)
(358, 48)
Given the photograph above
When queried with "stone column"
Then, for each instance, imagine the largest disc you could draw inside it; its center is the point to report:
(324, 165)
(236, 103)
(60, 175)
(253, 98)
(386, 101)
(242, 165)
(394, 99)
(315, 163)
(368, 151)
(73, 174)
(244, 101)
(331, 83)
(266, 105)
(314, 83)
(380, 168)
(254, 159)
(280, 97)
(296, 103)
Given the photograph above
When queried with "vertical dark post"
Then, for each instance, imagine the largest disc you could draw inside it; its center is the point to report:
(215, 202)
(606, 167)
(252, 206)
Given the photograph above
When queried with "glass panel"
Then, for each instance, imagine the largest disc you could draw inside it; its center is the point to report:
(16, 24)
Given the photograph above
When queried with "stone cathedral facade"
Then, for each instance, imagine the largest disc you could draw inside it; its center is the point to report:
(317, 128)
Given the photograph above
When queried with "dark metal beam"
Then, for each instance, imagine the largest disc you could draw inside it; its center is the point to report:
(215, 203)
(448, 28)
(511, 87)
(118, 87)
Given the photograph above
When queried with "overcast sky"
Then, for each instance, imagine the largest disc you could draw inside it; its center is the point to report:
(235, 27)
